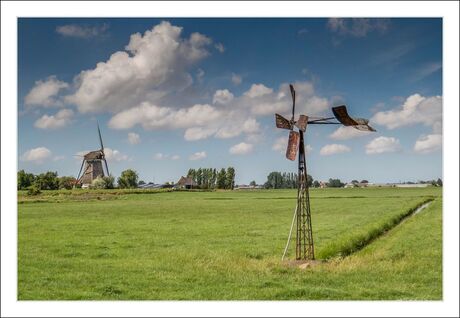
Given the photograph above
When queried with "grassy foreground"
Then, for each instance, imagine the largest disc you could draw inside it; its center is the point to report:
(226, 245)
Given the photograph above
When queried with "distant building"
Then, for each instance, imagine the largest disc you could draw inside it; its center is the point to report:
(322, 184)
(185, 183)
(412, 185)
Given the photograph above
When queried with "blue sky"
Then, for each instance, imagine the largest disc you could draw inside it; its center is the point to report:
(173, 94)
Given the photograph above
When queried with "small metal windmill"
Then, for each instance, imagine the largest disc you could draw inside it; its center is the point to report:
(92, 161)
(304, 234)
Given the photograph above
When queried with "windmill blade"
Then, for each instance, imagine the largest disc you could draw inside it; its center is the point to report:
(106, 167)
(293, 145)
(293, 100)
(100, 138)
(282, 122)
(341, 113)
(79, 172)
(302, 122)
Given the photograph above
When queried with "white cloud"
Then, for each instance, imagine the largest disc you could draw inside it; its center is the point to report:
(44, 92)
(222, 96)
(198, 155)
(81, 31)
(220, 47)
(134, 138)
(154, 65)
(241, 149)
(347, 132)
(197, 133)
(429, 143)
(236, 79)
(258, 90)
(382, 145)
(115, 155)
(200, 74)
(416, 109)
(61, 119)
(154, 117)
(162, 156)
(333, 149)
(36, 155)
(357, 27)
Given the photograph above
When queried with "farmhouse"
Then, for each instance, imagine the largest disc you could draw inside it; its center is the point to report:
(185, 183)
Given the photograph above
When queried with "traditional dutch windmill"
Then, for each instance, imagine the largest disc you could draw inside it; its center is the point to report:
(304, 234)
(92, 163)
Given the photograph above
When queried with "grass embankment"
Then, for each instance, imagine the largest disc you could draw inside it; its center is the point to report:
(215, 245)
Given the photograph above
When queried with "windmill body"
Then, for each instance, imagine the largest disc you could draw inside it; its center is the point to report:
(302, 214)
(92, 166)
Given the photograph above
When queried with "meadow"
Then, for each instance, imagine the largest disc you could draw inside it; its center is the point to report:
(227, 245)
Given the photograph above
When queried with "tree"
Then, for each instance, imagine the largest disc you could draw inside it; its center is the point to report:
(128, 179)
(25, 180)
(141, 182)
(439, 182)
(47, 181)
(109, 182)
(355, 181)
(253, 183)
(316, 184)
(335, 183)
(230, 178)
(309, 180)
(274, 180)
(364, 181)
(221, 179)
(66, 182)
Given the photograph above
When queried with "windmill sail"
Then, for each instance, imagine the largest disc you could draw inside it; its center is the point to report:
(293, 145)
(341, 113)
(282, 122)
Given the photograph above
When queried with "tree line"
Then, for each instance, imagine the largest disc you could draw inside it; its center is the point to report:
(210, 178)
(50, 181)
(289, 180)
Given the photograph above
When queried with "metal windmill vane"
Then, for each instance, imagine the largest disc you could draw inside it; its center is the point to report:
(92, 163)
(302, 214)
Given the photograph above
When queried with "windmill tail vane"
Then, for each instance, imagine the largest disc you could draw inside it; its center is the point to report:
(296, 148)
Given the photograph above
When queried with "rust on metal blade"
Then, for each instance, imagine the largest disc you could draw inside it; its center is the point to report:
(293, 145)
(282, 122)
(302, 122)
(340, 112)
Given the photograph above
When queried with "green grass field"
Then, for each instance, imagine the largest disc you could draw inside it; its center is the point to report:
(227, 245)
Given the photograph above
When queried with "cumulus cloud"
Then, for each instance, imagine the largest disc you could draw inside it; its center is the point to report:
(61, 119)
(258, 90)
(36, 155)
(220, 47)
(357, 27)
(81, 31)
(198, 155)
(241, 149)
(44, 92)
(134, 138)
(333, 149)
(236, 79)
(428, 143)
(222, 96)
(382, 145)
(416, 109)
(115, 155)
(347, 132)
(154, 65)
